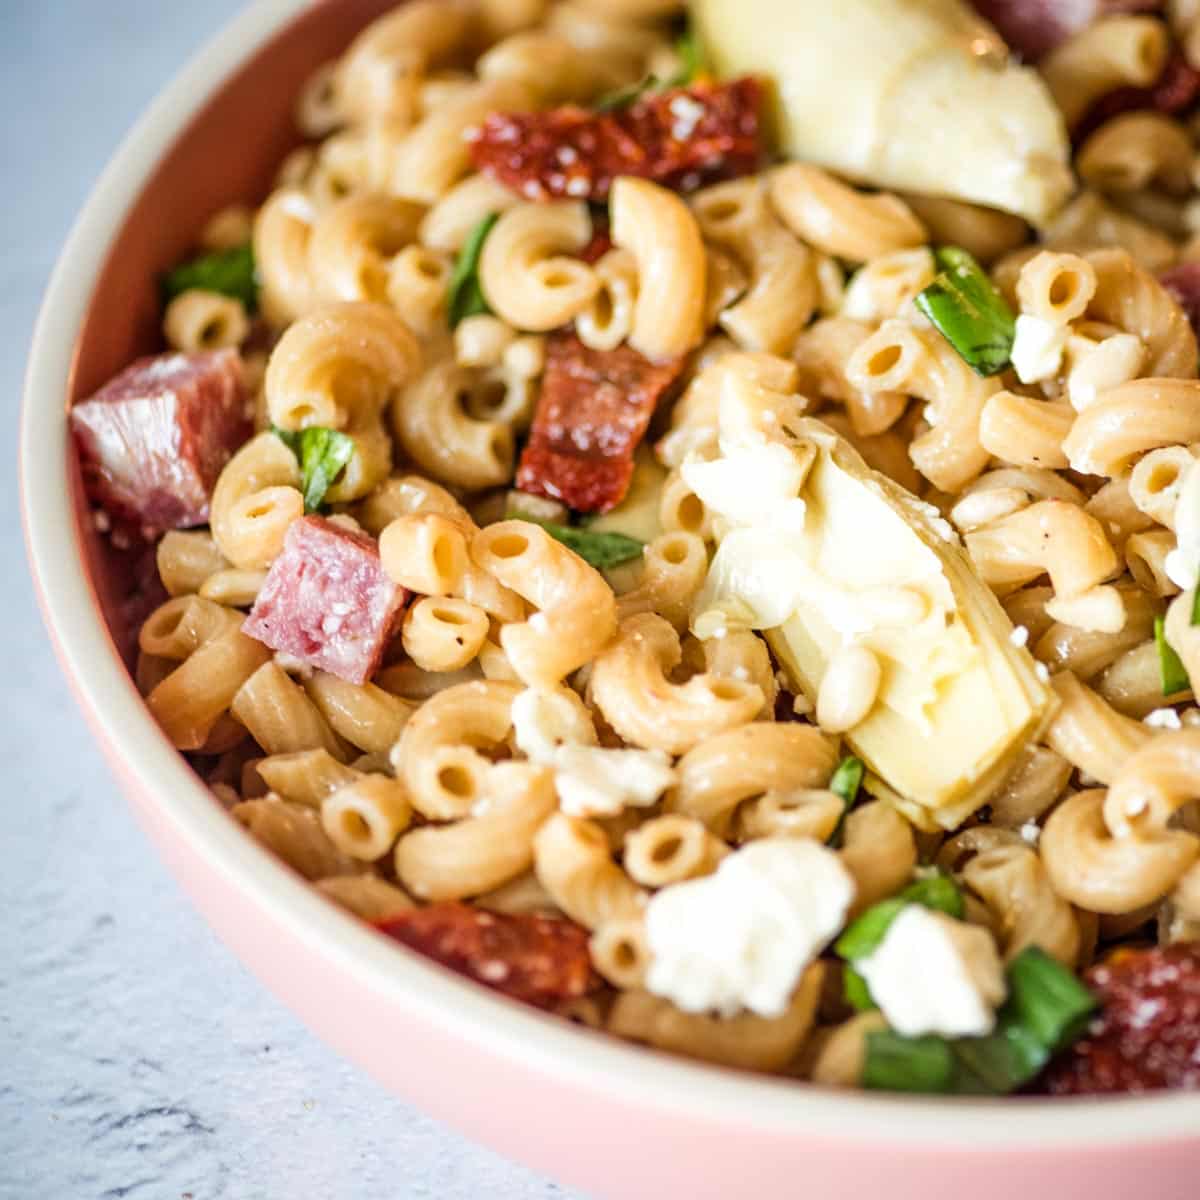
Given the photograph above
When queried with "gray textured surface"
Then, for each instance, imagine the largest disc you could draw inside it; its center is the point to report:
(137, 1057)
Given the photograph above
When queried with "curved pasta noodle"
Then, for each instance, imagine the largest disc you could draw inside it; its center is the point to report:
(576, 610)
(1128, 297)
(484, 851)
(1090, 867)
(661, 233)
(1088, 733)
(835, 218)
(573, 862)
(746, 1040)
(879, 850)
(722, 772)
(630, 686)
(438, 756)
(782, 291)
(529, 271)
(257, 496)
(1025, 909)
(353, 242)
(901, 358)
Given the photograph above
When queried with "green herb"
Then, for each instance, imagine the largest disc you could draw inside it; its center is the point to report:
(230, 272)
(322, 454)
(602, 550)
(1170, 670)
(908, 1064)
(691, 53)
(465, 296)
(1046, 1010)
(965, 307)
(1196, 606)
(862, 936)
(629, 95)
(856, 992)
(844, 783)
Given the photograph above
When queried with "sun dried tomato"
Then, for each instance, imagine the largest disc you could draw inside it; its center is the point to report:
(681, 138)
(1147, 1034)
(593, 411)
(539, 959)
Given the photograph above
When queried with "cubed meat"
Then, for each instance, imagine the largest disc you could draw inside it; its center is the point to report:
(153, 440)
(593, 411)
(327, 601)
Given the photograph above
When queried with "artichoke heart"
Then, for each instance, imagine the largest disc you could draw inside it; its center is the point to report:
(917, 95)
(820, 552)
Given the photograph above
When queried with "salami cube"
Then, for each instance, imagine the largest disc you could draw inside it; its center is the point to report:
(327, 601)
(593, 411)
(153, 440)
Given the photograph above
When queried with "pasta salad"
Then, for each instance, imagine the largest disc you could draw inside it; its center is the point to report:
(704, 540)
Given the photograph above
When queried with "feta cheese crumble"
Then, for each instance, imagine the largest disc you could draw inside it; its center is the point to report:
(933, 974)
(1163, 718)
(742, 937)
(1038, 348)
(595, 782)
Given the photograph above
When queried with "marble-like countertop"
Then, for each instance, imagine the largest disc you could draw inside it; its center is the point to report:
(138, 1058)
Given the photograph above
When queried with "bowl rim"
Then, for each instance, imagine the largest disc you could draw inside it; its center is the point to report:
(490, 1023)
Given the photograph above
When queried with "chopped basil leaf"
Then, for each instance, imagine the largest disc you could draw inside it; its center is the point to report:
(1196, 606)
(844, 783)
(691, 53)
(1171, 674)
(464, 296)
(863, 935)
(230, 272)
(967, 310)
(856, 992)
(902, 1064)
(602, 550)
(627, 96)
(1048, 999)
(937, 892)
(322, 454)
(1046, 1010)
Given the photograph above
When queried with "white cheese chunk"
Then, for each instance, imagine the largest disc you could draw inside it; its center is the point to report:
(1182, 564)
(742, 937)
(545, 719)
(1038, 348)
(933, 974)
(595, 782)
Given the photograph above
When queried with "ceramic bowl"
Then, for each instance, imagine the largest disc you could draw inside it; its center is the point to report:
(613, 1119)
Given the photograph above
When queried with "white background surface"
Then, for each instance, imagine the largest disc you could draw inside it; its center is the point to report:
(137, 1057)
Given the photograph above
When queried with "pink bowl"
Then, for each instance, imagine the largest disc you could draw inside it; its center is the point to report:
(608, 1117)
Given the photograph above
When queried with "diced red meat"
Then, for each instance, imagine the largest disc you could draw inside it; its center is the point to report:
(327, 601)
(592, 413)
(1147, 1034)
(153, 440)
(1183, 282)
(539, 959)
(1176, 91)
(681, 138)
(1034, 27)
